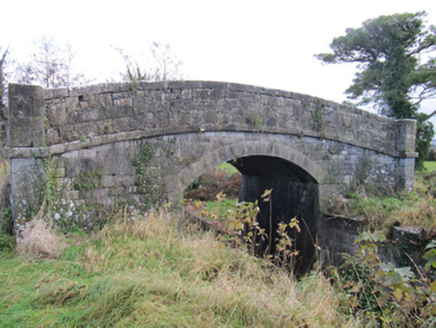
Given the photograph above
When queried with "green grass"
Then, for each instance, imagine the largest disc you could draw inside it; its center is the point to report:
(229, 169)
(137, 273)
(430, 166)
(219, 209)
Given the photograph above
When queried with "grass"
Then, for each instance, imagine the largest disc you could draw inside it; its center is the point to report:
(409, 208)
(219, 209)
(229, 169)
(430, 166)
(148, 273)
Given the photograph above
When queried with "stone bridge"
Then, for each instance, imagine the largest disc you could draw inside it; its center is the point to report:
(108, 145)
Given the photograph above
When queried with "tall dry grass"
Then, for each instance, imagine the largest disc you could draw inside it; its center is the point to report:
(146, 272)
(212, 284)
(40, 240)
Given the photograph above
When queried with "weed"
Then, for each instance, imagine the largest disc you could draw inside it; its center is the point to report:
(254, 120)
(147, 182)
(238, 227)
(106, 129)
(318, 116)
(381, 294)
(88, 180)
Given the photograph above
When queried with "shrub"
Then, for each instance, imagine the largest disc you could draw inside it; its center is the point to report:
(384, 295)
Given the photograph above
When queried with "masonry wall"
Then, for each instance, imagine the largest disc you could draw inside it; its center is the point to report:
(90, 136)
(175, 107)
(336, 237)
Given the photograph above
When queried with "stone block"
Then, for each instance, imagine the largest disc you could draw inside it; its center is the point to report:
(26, 132)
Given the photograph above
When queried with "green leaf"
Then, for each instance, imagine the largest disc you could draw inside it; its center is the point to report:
(267, 193)
(430, 245)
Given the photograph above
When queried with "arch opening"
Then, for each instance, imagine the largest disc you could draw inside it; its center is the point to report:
(294, 178)
(295, 194)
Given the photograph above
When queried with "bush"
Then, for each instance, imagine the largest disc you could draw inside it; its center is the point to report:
(384, 295)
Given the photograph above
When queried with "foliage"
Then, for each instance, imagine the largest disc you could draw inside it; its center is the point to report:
(255, 120)
(285, 251)
(238, 227)
(88, 180)
(227, 168)
(430, 256)
(53, 205)
(318, 116)
(146, 272)
(381, 294)
(50, 64)
(147, 182)
(387, 50)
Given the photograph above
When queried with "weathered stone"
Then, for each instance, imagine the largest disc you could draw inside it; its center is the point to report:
(191, 127)
(26, 119)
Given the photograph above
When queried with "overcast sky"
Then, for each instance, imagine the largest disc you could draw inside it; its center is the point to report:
(265, 43)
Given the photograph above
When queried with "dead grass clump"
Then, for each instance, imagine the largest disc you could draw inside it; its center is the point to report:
(422, 214)
(40, 240)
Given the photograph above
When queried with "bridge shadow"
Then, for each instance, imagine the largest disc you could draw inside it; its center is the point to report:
(295, 194)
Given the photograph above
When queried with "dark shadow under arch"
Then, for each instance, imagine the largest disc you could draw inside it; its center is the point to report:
(177, 183)
(295, 194)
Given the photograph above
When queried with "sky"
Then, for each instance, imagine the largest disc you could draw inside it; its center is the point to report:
(264, 43)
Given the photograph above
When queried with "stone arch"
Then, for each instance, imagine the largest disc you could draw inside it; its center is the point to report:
(240, 149)
(296, 187)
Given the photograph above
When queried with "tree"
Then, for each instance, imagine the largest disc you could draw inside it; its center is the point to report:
(4, 62)
(388, 50)
(50, 65)
(164, 65)
(3, 57)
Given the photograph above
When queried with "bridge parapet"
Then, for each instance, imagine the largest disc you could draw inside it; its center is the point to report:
(163, 108)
